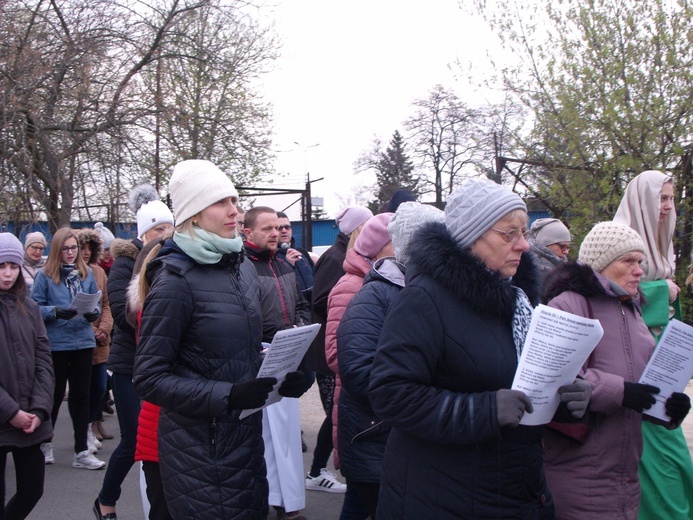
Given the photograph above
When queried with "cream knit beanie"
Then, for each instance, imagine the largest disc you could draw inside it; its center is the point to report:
(606, 242)
(408, 218)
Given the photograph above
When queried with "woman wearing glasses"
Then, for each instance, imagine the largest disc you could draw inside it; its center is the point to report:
(445, 362)
(34, 246)
(71, 336)
(549, 243)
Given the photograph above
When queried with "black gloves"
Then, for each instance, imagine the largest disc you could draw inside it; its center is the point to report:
(250, 394)
(576, 397)
(91, 316)
(294, 385)
(62, 313)
(638, 397)
(511, 406)
(677, 407)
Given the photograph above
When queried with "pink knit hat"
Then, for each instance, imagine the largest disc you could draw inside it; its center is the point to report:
(351, 217)
(374, 236)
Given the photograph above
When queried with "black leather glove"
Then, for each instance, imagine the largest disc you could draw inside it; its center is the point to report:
(61, 313)
(677, 407)
(576, 397)
(511, 405)
(250, 394)
(294, 385)
(639, 397)
(91, 316)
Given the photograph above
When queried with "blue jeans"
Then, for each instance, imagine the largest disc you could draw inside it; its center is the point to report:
(128, 406)
(99, 377)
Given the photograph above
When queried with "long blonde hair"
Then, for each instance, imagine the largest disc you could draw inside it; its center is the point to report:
(54, 261)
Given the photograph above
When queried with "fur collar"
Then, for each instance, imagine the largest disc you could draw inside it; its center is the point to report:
(129, 248)
(442, 259)
(573, 277)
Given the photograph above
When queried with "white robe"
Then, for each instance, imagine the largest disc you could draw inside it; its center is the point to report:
(281, 431)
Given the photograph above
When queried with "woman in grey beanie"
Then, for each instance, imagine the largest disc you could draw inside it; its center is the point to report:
(549, 242)
(26, 380)
(34, 246)
(445, 362)
(598, 478)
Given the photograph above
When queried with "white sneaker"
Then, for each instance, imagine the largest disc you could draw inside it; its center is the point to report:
(86, 460)
(47, 449)
(93, 444)
(327, 481)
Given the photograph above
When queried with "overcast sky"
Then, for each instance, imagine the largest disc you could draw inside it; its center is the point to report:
(349, 71)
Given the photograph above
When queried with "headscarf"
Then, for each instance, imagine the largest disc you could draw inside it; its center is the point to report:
(639, 209)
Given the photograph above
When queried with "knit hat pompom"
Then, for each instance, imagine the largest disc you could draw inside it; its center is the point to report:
(373, 236)
(351, 217)
(474, 207)
(408, 218)
(146, 203)
(11, 249)
(35, 237)
(195, 185)
(606, 242)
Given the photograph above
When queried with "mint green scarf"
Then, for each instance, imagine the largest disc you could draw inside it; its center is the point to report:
(205, 247)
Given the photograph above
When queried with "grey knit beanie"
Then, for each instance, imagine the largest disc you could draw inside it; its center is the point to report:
(195, 185)
(11, 249)
(474, 207)
(547, 231)
(105, 233)
(36, 237)
(606, 242)
(409, 217)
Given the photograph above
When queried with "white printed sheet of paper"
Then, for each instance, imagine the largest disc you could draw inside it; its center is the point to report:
(670, 367)
(557, 345)
(283, 356)
(85, 302)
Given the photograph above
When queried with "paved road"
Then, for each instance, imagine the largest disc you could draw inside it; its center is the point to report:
(70, 493)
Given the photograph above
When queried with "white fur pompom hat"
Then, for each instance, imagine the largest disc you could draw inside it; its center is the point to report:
(146, 203)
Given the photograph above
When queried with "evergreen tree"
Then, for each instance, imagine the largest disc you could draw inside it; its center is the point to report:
(394, 171)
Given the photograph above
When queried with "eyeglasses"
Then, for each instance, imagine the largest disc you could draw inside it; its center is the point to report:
(70, 249)
(564, 247)
(282, 228)
(37, 248)
(513, 235)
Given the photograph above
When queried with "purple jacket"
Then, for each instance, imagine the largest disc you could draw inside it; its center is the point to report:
(599, 479)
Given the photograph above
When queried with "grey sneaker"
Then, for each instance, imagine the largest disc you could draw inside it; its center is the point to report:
(86, 460)
(47, 449)
(327, 481)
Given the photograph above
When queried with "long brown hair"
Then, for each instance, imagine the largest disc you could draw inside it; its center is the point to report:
(19, 289)
(54, 261)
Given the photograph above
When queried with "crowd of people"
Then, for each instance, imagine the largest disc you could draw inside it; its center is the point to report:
(424, 315)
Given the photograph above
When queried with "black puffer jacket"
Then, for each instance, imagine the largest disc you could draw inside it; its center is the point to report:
(361, 434)
(200, 333)
(122, 354)
(445, 350)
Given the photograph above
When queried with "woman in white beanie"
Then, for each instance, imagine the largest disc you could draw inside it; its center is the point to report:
(666, 470)
(598, 478)
(154, 219)
(26, 379)
(34, 246)
(199, 352)
(361, 434)
(445, 362)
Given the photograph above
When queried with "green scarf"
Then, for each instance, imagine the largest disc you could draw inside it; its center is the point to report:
(205, 247)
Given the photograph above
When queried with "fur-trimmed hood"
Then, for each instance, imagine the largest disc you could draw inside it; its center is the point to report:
(95, 240)
(441, 258)
(129, 248)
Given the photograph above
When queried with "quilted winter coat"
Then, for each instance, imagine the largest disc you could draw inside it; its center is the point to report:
(200, 334)
(445, 350)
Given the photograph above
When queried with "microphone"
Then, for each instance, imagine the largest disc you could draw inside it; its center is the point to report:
(284, 245)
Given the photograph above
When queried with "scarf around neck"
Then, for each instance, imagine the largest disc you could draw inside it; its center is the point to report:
(72, 279)
(207, 248)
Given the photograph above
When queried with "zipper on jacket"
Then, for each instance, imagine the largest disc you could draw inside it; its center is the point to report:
(236, 281)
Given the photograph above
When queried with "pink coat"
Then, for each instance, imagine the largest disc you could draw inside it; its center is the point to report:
(599, 479)
(355, 268)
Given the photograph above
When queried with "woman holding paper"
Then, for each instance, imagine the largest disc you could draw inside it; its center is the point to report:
(599, 479)
(72, 337)
(445, 362)
(666, 471)
(199, 352)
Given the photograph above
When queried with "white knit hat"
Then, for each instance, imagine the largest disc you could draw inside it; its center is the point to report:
(606, 242)
(195, 185)
(408, 218)
(145, 201)
(105, 233)
(477, 205)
